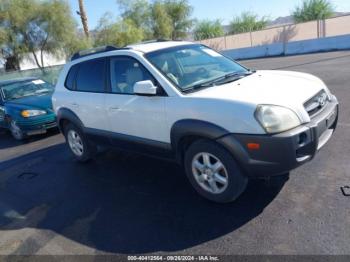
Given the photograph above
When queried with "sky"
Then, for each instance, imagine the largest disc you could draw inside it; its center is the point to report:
(224, 10)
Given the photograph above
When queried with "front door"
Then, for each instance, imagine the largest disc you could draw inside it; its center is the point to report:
(129, 114)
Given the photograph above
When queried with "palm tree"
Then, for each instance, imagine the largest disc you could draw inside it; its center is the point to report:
(83, 17)
(313, 10)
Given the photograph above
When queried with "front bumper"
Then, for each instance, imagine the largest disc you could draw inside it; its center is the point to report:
(281, 153)
(37, 125)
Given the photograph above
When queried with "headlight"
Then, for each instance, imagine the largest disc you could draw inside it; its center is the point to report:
(31, 113)
(276, 119)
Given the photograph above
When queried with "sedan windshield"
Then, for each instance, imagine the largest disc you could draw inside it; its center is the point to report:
(194, 67)
(23, 89)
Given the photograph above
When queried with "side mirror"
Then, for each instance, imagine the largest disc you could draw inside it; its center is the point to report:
(145, 88)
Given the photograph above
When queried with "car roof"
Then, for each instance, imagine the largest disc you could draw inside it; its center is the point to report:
(144, 47)
(16, 80)
(155, 46)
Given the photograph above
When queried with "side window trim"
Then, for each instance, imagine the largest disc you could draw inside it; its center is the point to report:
(108, 80)
(161, 91)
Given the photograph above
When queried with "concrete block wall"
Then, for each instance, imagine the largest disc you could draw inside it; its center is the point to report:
(292, 48)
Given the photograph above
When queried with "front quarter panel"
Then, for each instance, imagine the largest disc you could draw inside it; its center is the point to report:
(235, 117)
(14, 112)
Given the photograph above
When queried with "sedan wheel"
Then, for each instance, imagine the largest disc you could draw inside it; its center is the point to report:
(16, 132)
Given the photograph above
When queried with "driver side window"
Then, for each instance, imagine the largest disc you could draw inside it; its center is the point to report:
(125, 72)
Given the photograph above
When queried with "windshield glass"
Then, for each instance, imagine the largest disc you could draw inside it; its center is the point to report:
(194, 66)
(24, 89)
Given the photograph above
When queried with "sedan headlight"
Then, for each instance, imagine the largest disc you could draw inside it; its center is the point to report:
(31, 113)
(276, 119)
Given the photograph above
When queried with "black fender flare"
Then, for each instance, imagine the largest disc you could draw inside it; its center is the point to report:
(206, 130)
(69, 115)
(191, 127)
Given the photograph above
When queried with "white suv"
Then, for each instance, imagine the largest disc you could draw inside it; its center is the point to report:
(223, 122)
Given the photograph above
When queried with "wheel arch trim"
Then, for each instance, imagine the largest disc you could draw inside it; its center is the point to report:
(206, 130)
(67, 114)
(191, 127)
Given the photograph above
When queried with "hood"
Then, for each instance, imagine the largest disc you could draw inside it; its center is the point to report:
(283, 88)
(32, 102)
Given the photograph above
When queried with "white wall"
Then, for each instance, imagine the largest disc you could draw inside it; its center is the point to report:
(292, 48)
(28, 61)
(283, 34)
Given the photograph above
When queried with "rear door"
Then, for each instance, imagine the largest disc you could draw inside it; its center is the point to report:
(89, 93)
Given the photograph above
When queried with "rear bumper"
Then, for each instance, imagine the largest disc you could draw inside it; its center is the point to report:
(281, 153)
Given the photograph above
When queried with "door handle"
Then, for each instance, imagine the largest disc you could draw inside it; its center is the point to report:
(114, 108)
(74, 104)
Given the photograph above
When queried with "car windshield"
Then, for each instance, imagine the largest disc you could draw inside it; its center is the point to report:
(27, 88)
(194, 67)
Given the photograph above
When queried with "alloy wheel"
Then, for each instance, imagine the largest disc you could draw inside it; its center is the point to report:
(210, 173)
(75, 143)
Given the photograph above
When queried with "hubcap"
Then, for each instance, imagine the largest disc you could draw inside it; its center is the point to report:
(210, 173)
(75, 143)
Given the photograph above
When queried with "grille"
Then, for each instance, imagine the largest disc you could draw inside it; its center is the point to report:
(317, 103)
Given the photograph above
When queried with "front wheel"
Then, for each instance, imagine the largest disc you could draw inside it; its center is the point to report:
(16, 131)
(82, 149)
(214, 172)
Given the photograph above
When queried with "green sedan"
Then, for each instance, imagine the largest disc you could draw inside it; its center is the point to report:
(26, 107)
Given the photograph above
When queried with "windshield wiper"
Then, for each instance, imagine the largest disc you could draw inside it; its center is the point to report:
(230, 77)
(199, 86)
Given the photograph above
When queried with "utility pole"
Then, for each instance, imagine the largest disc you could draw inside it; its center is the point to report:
(83, 17)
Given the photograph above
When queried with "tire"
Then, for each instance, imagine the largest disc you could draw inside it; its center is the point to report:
(213, 172)
(16, 131)
(82, 149)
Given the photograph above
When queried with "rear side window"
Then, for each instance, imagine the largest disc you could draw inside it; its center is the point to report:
(71, 77)
(91, 76)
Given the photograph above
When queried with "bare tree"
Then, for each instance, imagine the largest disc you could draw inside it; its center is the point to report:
(83, 17)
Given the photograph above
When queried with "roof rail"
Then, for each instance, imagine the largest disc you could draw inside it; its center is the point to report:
(96, 50)
(151, 41)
